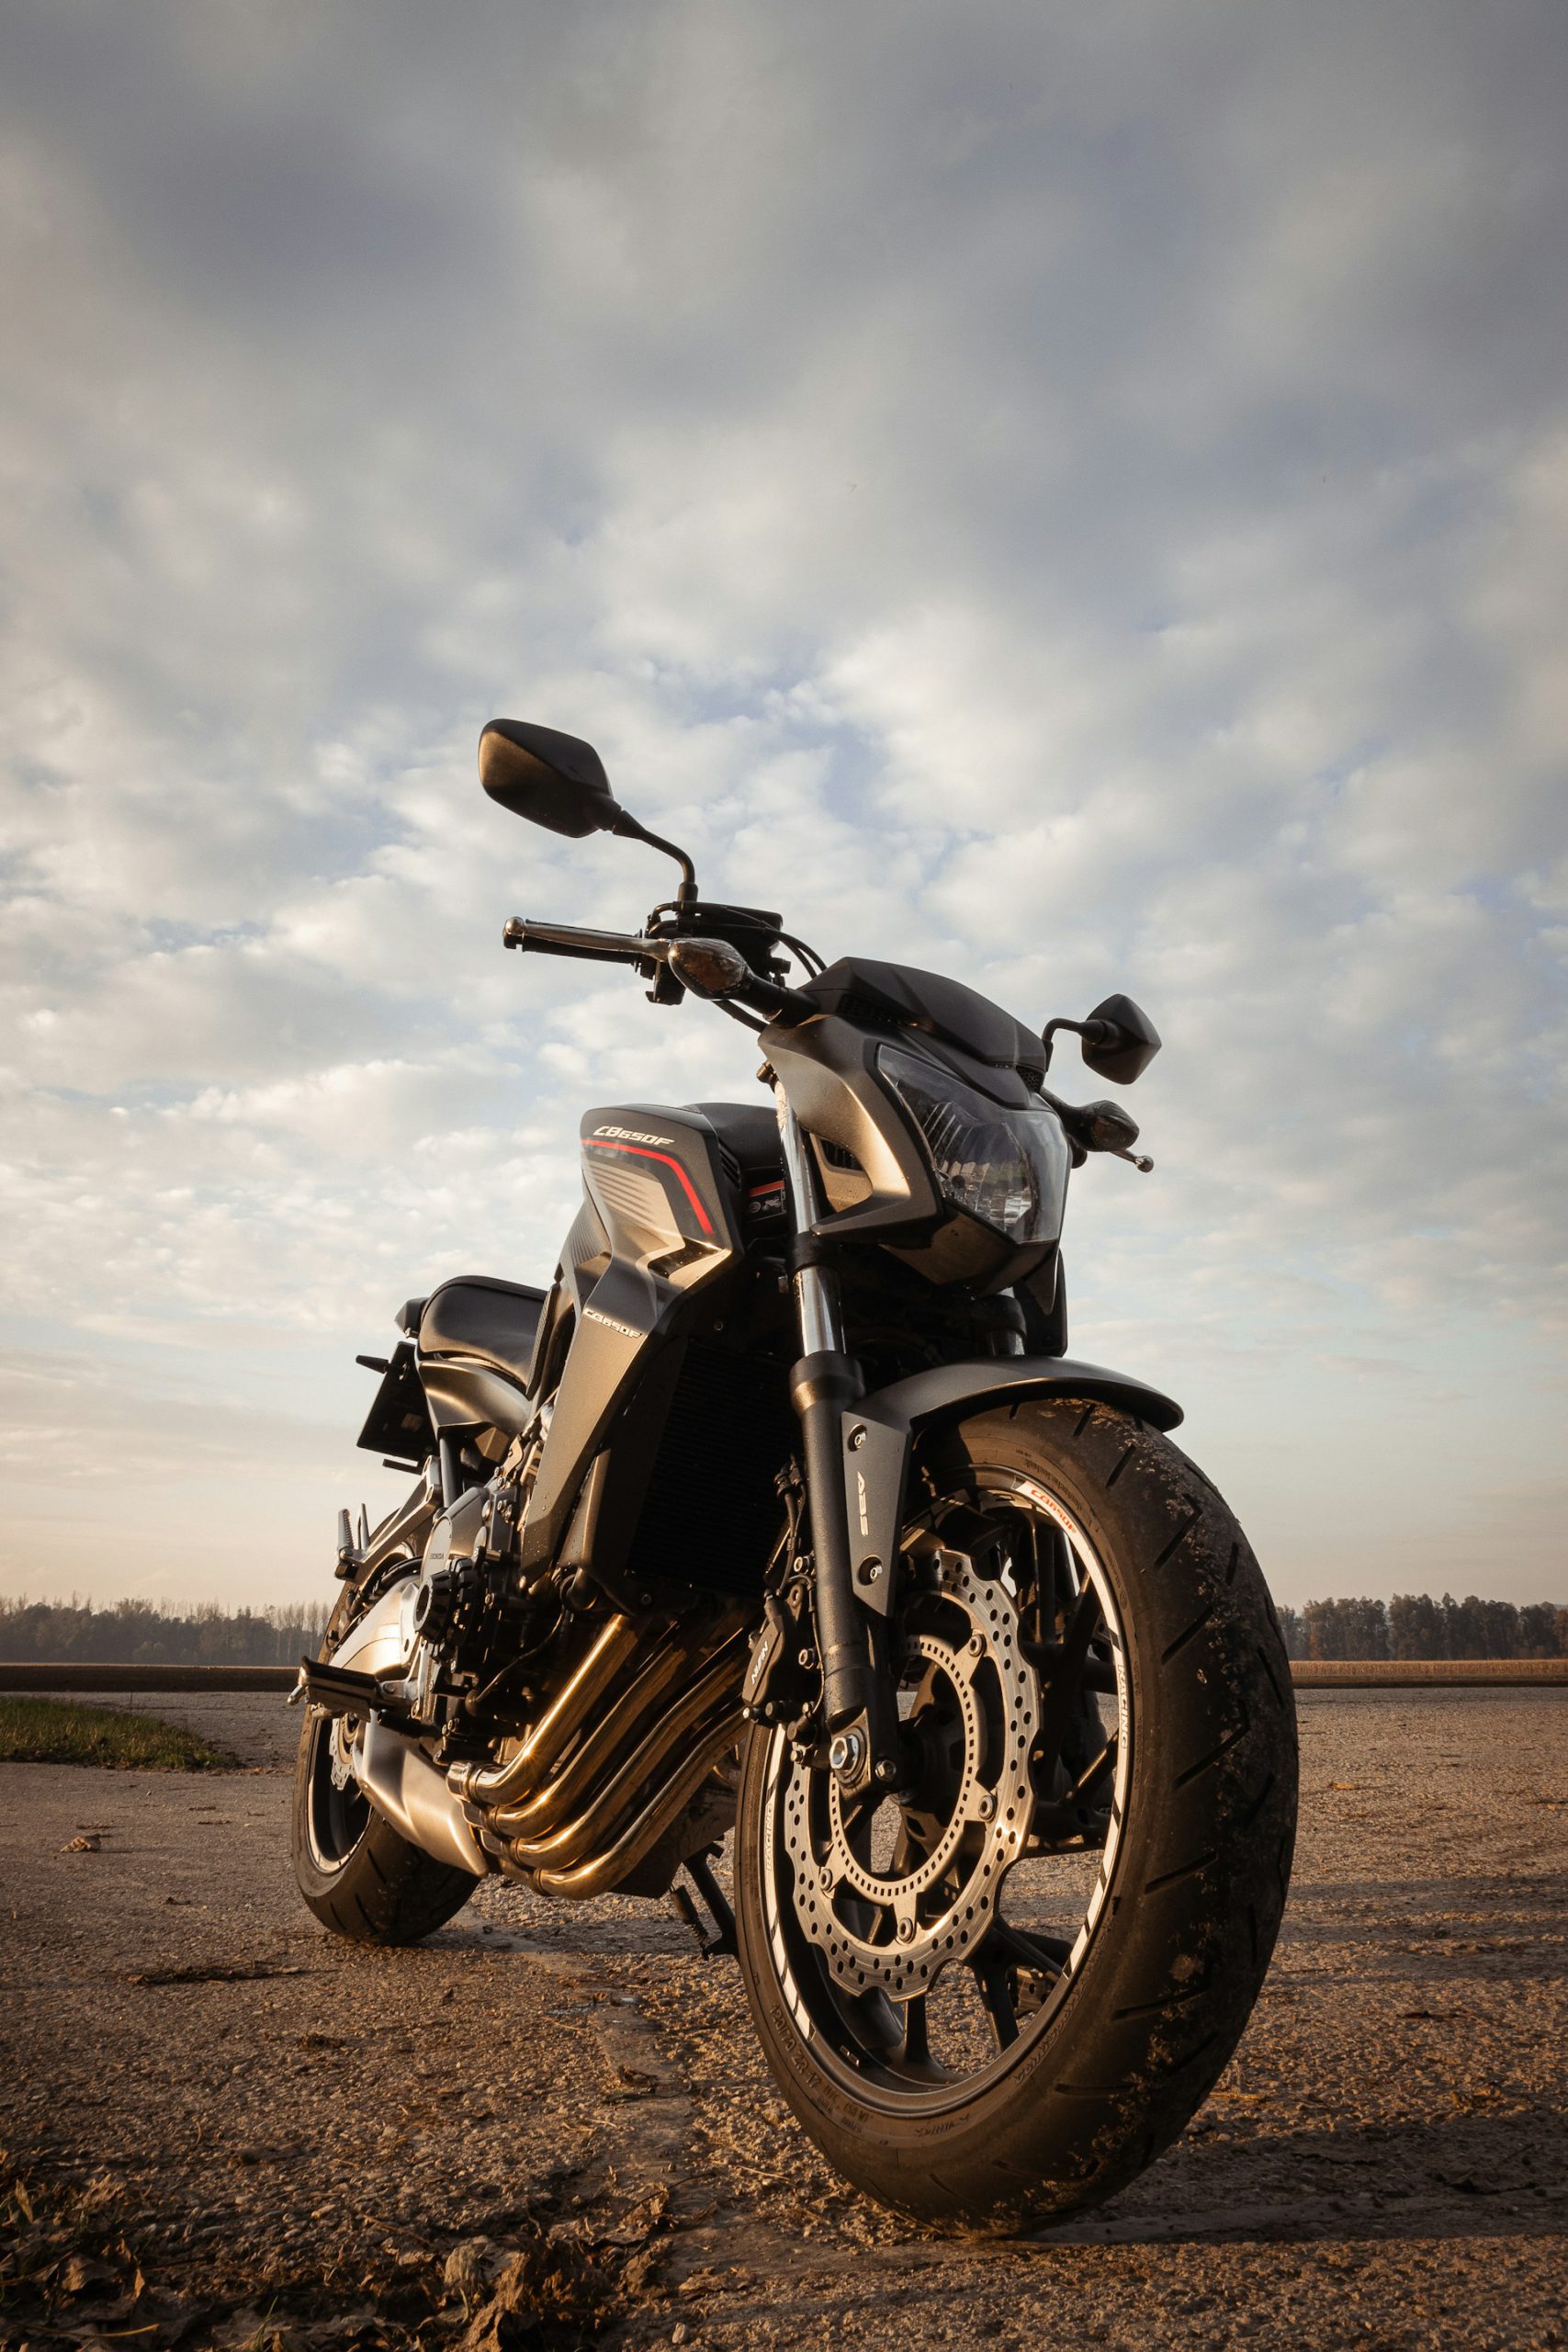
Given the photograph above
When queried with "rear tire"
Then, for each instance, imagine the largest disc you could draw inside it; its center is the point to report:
(1112, 2055)
(360, 1878)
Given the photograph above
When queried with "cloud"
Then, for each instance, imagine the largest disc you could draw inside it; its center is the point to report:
(1072, 499)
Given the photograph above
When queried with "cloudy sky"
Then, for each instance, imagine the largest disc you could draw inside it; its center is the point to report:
(1072, 497)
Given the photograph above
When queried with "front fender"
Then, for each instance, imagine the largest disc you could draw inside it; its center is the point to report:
(878, 1437)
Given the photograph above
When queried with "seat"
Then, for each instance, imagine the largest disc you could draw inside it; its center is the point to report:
(750, 1131)
(487, 1321)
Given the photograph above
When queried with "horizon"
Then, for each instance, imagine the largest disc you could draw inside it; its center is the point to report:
(210, 1604)
(1077, 502)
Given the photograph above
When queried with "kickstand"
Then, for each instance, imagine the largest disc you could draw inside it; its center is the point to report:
(720, 1938)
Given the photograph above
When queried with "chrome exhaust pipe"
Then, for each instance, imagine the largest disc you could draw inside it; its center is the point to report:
(598, 1751)
(562, 1823)
(603, 1872)
(624, 1726)
(402, 1783)
(491, 1785)
(577, 1840)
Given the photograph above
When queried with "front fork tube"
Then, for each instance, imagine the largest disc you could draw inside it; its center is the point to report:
(858, 1700)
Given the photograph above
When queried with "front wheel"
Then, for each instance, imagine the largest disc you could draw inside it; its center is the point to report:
(994, 1999)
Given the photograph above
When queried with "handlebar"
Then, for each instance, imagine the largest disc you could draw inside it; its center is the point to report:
(715, 968)
(571, 939)
(711, 968)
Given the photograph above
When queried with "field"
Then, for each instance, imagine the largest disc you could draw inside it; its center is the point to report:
(550, 2126)
(51, 1731)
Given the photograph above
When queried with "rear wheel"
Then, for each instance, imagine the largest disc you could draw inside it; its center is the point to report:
(997, 1998)
(358, 1876)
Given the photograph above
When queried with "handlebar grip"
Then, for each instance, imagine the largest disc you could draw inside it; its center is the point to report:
(779, 1006)
(571, 939)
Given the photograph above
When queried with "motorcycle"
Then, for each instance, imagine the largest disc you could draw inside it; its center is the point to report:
(784, 1511)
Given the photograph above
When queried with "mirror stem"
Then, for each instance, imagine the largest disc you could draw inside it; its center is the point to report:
(1093, 1032)
(626, 825)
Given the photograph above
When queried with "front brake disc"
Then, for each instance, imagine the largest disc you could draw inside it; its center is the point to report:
(892, 1891)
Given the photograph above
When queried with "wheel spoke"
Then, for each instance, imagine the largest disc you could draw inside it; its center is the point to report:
(1072, 1820)
(1094, 1772)
(1067, 1673)
(922, 1830)
(881, 2022)
(1042, 1956)
(1051, 1558)
(996, 1999)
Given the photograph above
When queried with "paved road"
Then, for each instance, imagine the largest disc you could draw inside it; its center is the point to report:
(550, 2126)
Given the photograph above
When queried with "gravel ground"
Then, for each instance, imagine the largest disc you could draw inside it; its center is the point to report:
(550, 2126)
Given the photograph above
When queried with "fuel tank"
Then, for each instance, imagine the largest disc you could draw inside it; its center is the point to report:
(668, 1195)
(663, 1194)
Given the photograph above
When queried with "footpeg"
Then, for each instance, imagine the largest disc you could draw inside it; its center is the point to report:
(337, 1690)
(718, 1937)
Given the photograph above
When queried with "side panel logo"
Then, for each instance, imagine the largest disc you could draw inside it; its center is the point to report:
(592, 1315)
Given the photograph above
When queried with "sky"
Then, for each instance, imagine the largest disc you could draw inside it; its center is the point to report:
(1072, 498)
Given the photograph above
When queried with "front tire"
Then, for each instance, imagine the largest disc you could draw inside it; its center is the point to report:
(360, 1878)
(1032, 2062)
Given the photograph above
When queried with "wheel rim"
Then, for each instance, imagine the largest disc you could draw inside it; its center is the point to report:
(337, 1811)
(924, 1949)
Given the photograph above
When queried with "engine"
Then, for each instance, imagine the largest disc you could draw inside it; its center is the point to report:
(542, 1727)
(466, 1609)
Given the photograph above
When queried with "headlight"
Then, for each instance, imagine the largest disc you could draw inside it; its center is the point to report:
(1007, 1167)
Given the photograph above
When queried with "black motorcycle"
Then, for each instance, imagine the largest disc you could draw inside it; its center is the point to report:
(786, 1509)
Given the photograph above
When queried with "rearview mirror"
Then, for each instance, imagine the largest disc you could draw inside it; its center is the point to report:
(1119, 1041)
(554, 780)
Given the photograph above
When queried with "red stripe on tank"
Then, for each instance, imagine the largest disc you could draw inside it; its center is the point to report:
(641, 1151)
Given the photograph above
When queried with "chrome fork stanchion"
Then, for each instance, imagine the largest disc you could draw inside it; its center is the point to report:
(816, 1289)
(823, 1385)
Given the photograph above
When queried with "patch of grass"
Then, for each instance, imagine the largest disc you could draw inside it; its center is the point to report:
(54, 1731)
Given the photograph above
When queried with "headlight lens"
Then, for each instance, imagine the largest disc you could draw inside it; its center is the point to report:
(1007, 1167)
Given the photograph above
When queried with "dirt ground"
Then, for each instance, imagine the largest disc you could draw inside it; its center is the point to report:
(550, 2126)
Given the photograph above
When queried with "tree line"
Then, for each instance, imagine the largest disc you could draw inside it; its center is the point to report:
(1414, 1625)
(146, 1632)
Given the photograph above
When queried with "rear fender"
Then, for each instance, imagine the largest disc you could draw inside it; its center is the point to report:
(878, 1437)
